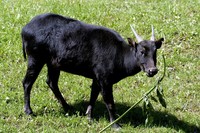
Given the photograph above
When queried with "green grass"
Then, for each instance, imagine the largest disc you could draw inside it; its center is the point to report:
(175, 20)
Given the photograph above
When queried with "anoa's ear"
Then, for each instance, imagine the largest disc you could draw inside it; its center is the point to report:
(131, 42)
(159, 43)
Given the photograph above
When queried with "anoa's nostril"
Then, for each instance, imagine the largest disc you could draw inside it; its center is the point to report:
(153, 70)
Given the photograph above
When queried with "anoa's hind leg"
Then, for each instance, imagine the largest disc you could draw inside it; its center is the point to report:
(52, 81)
(33, 70)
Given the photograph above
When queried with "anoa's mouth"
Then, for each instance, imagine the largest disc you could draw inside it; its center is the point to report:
(151, 71)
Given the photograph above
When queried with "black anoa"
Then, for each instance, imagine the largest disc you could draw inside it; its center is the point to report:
(98, 53)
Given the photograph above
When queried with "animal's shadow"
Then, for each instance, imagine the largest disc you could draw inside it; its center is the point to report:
(136, 117)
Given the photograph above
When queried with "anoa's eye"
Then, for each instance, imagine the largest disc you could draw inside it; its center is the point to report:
(143, 51)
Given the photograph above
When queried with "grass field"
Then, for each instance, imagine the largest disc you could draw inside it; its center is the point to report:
(178, 21)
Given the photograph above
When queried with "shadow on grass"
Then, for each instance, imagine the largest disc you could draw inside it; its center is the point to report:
(135, 117)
